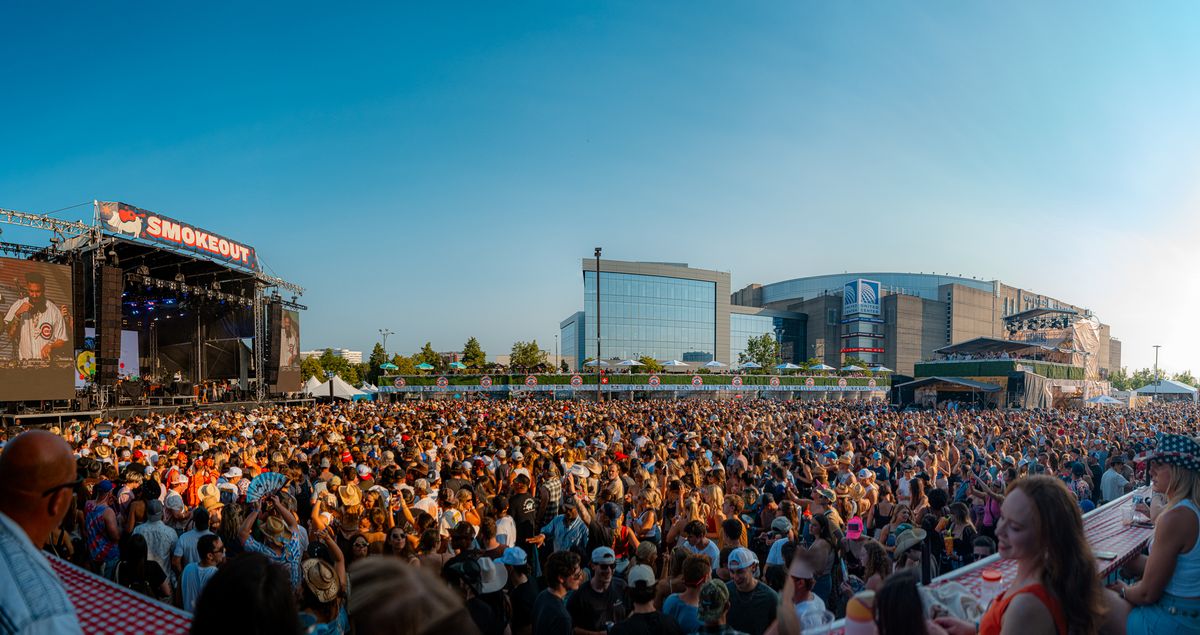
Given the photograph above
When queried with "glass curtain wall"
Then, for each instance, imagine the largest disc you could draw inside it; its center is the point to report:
(790, 333)
(660, 317)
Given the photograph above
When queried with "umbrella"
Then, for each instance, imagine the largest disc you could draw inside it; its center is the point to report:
(1104, 399)
(674, 363)
(787, 366)
(751, 365)
(458, 365)
(424, 366)
(714, 364)
(822, 367)
(596, 362)
(630, 362)
(388, 366)
(851, 368)
(881, 369)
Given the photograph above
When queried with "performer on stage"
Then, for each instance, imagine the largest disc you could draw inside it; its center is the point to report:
(34, 323)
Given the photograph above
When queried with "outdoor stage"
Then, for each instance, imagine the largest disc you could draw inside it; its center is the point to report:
(137, 312)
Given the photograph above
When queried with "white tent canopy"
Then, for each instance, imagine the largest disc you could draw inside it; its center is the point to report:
(311, 384)
(341, 390)
(1166, 387)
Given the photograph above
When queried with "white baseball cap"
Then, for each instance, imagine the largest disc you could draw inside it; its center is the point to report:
(742, 558)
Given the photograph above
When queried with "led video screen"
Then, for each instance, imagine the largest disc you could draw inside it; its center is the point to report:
(37, 352)
(289, 352)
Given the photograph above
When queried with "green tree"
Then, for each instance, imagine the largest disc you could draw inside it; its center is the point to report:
(378, 358)
(404, 365)
(473, 355)
(1119, 379)
(344, 369)
(762, 350)
(1186, 378)
(1143, 377)
(649, 365)
(855, 361)
(311, 367)
(563, 366)
(429, 356)
(527, 355)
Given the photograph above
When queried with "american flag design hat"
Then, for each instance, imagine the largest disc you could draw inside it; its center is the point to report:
(1176, 449)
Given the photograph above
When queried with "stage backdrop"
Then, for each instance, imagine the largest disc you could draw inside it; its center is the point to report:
(37, 352)
(85, 359)
(289, 352)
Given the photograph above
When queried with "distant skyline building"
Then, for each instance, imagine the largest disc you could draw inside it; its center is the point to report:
(354, 357)
(672, 311)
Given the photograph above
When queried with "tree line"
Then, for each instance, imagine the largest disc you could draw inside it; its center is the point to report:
(524, 357)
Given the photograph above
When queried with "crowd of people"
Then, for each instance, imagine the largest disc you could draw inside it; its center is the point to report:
(547, 517)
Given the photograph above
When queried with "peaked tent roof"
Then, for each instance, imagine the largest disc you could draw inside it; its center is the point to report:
(1167, 387)
(341, 390)
(312, 382)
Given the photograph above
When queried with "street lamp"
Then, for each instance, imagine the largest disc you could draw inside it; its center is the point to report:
(556, 362)
(598, 358)
(1156, 347)
(385, 333)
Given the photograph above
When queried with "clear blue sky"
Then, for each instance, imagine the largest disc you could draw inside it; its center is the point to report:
(440, 171)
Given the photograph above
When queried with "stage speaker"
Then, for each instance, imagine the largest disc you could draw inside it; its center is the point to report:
(274, 335)
(78, 299)
(108, 325)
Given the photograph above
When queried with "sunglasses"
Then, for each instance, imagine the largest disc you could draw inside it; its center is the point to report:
(606, 567)
(69, 485)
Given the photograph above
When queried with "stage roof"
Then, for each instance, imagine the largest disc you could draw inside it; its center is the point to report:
(1039, 312)
(957, 381)
(990, 345)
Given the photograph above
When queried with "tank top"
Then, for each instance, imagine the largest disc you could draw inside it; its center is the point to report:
(100, 548)
(1185, 582)
(994, 618)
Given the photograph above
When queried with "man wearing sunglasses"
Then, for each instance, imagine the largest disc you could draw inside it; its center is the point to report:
(37, 482)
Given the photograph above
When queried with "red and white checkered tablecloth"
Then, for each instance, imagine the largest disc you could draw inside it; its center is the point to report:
(105, 608)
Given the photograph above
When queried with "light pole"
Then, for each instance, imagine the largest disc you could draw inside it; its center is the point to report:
(1156, 347)
(385, 333)
(598, 358)
(556, 362)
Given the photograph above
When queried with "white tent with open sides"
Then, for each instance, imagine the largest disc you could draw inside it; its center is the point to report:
(341, 390)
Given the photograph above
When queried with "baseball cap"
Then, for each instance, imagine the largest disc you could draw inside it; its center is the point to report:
(641, 575)
(603, 555)
(876, 455)
(742, 558)
(865, 473)
(103, 487)
(513, 556)
(233, 472)
(854, 528)
(714, 599)
(781, 524)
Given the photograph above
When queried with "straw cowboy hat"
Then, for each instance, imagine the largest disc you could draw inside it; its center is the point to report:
(350, 495)
(208, 490)
(909, 539)
(320, 579)
(274, 531)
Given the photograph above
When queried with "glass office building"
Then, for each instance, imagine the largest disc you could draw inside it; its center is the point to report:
(788, 331)
(572, 332)
(651, 315)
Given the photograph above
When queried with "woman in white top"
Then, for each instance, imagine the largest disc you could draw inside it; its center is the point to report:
(1167, 598)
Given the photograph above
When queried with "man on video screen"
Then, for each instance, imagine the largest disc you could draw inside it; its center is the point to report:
(290, 350)
(35, 323)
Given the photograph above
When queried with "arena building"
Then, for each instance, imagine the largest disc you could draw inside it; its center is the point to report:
(673, 311)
